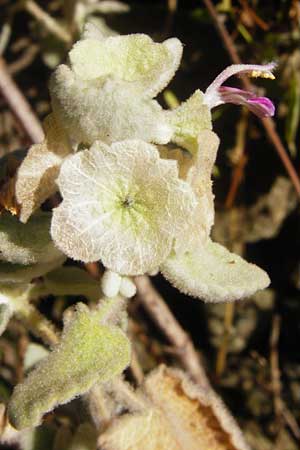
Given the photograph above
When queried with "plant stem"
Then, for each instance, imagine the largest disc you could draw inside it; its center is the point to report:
(126, 395)
(19, 105)
(163, 317)
(49, 23)
(100, 409)
(222, 353)
(38, 324)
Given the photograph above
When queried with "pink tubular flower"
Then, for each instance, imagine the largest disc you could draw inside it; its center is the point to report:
(216, 94)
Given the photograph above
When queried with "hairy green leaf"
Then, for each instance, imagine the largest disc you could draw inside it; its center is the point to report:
(214, 274)
(89, 352)
(18, 273)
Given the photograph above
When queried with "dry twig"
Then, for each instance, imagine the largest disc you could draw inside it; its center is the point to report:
(135, 368)
(49, 23)
(274, 364)
(163, 317)
(240, 159)
(222, 353)
(25, 59)
(19, 105)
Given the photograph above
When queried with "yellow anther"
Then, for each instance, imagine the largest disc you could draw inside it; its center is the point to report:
(261, 74)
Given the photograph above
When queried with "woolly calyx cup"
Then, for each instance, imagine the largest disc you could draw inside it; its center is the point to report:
(188, 120)
(194, 115)
(106, 92)
(123, 205)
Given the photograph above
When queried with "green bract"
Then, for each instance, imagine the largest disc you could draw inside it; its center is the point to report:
(123, 205)
(89, 351)
(198, 266)
(134, 59)
(106, 93)
(107, 112)
(188, 120)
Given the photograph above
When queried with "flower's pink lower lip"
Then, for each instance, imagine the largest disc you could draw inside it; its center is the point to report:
(217, 94)
(260, 106)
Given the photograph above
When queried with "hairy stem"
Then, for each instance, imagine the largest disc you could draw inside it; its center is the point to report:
(38, 324)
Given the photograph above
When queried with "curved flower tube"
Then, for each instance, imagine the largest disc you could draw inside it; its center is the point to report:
(217, 94)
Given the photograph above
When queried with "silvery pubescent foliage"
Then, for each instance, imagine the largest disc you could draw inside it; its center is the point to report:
(126, 201)
(135, 182)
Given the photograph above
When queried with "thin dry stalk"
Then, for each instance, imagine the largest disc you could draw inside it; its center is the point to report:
(25, 59)
(135, 368)
(237, 177)
(69, 7)
(99, 406)
(274, 364)
(19, 105)
(39, 325)
(180, 340)
(93, 269)
(124, 393)
(240, 158)
(49, 23)
(223, 350)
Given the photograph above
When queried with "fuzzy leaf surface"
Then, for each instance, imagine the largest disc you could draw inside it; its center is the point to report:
(107, 111)
(19, 273)
(134, 59)
(188, 120)
(214, 274)
(6, 313)
(28, 243)
(89, 352)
